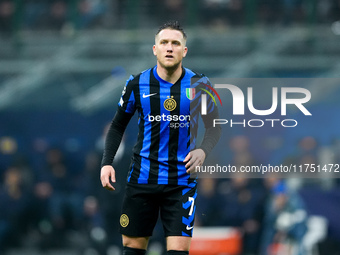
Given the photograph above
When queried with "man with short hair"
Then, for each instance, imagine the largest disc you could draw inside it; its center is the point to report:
(159, 180)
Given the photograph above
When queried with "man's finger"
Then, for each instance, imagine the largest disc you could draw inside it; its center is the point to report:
(106, 183)
(109, 186)
(113, 177)
(187, 158)
(190, 166)
(192, 161)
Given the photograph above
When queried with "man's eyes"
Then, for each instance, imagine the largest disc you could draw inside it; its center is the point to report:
(174, 43)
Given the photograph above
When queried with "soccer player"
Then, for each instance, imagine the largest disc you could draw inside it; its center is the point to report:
(159, 179)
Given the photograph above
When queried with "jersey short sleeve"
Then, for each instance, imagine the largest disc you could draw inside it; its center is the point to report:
(206, 86)
(202, 85)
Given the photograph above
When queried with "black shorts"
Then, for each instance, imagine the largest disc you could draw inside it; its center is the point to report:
(144, 202)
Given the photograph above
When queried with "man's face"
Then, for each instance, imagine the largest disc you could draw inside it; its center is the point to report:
(169, 48)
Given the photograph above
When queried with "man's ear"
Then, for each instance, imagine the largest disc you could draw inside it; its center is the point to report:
(154, 50)
(185, 51)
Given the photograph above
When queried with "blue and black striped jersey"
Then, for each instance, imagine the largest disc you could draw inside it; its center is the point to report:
(164, 126)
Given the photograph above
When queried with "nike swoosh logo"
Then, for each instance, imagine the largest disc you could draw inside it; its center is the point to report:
(189, 228)
(145, 96)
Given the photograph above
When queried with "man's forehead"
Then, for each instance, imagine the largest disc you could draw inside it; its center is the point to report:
(170, 34)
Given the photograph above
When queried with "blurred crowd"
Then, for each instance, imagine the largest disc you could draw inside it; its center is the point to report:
(57, 206)
(62, 204)
(50, 14)
(270, 212)
(57, 15)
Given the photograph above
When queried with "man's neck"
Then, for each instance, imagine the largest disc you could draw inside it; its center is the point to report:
(169, 75)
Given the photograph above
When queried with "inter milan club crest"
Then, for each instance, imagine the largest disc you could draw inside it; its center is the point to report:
(191, 93)
(124, 220)
(170, 104)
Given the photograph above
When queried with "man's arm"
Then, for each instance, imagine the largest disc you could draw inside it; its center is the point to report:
(211, 136)
(112, 142)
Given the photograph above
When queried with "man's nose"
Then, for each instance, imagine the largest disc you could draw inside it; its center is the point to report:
(169, 48)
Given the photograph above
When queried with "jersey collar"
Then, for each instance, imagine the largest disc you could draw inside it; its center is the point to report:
(161, 80)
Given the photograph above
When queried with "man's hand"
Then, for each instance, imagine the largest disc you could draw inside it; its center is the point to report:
(193, 159)
(108, 173)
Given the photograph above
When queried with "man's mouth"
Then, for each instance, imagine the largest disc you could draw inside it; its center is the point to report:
(169, 56)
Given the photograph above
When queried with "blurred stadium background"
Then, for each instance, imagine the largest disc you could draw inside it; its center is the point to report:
(62, 68)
